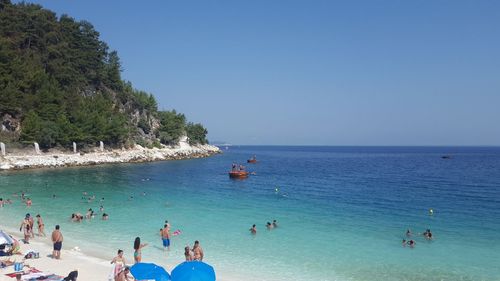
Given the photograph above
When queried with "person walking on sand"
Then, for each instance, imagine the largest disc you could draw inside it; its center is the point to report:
(57, 239)
(119, 262)
(32, 224)
(197, 251)
(137, 249)
(165, 237)
(25, 224)
(41, 226)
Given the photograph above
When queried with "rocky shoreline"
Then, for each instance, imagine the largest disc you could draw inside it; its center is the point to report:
(135, 155)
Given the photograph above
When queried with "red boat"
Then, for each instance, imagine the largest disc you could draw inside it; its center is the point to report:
(252, 160)
(238, 174)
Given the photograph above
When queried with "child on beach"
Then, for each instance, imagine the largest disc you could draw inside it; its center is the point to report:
(188, 253)
(27, 234)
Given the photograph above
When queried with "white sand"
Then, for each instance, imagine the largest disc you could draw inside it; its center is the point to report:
(89, 268)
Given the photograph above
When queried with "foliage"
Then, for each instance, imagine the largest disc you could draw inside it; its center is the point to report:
(172, 127)
(196, 133)
(66, 85)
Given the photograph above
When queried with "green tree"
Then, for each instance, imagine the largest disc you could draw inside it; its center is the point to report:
(196, 133)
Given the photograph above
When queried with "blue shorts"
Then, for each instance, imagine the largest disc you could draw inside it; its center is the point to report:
(166, 242)
(57, 246)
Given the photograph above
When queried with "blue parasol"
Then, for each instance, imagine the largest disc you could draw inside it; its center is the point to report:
(193, 271)
(149, 271)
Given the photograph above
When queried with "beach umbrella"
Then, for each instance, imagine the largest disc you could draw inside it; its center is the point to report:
(193, 271)
(149, 271)
(5, 239)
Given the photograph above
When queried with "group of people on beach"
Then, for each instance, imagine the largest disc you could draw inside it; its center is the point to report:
(269, 226)
(27, 227)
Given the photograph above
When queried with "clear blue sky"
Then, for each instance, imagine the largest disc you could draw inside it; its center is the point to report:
(313, 72)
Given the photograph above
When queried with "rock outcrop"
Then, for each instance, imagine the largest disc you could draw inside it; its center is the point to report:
(137, 154)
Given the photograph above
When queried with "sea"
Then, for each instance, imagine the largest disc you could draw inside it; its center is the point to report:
(342, 212)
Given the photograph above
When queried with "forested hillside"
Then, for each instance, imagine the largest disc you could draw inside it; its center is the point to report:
(59, 83)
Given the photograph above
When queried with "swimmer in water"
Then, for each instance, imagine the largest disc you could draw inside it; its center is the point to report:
(428, 234)
(404, 242)
(411, 243)
(431, 212)
(253, 229)
(408, 232)
(105, 217)
(269, 226)
(275, 223)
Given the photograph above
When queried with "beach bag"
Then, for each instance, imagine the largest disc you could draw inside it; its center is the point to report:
(18, 266)
(32, 255)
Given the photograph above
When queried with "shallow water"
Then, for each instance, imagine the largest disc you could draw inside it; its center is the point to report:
(342, 211)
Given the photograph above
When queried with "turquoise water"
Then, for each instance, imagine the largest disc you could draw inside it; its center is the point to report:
(342, 211)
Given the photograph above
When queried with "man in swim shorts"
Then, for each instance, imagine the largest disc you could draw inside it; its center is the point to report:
(165, 237)
(57, 239)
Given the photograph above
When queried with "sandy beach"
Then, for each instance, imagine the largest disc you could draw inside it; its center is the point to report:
(89, 268)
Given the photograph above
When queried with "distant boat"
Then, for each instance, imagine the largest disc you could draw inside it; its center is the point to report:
(252, 160)
(238, 174)
(446, 157)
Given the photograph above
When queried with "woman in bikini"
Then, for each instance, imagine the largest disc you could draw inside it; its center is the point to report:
(137, 249)
(41, 226)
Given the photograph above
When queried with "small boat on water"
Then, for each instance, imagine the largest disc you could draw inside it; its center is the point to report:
(238, 174)
(446, 157)
(252, 160)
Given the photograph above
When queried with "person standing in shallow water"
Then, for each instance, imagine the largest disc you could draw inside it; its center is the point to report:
(253, 229)
(137, 249)
(165, 237)
(57, 239)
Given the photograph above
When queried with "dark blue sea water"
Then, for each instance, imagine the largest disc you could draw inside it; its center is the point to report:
(342, 211)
